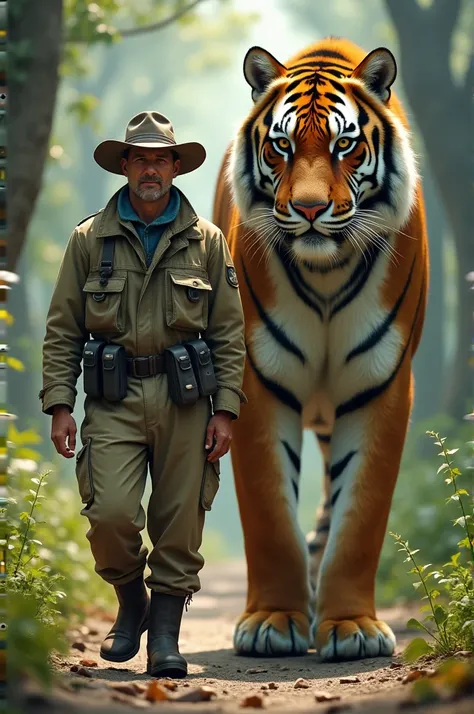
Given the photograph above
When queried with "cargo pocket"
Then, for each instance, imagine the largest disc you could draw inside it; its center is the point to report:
(210, 484)
(186, 301)
(104, 305)
(84, 474)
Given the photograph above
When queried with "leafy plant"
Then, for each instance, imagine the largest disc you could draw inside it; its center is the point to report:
(450, 619)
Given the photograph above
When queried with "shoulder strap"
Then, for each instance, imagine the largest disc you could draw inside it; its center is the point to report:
(107, 263)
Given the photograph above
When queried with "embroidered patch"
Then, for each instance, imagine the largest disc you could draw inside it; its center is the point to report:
(231, 276)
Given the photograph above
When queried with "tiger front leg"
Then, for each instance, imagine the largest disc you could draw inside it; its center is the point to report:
(265, 457)
(367, 445)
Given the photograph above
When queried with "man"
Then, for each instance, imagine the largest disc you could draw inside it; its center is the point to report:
(170, 279)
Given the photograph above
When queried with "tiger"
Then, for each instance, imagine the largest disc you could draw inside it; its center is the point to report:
(320, 199)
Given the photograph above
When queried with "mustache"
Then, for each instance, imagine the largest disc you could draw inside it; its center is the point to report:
(150, 180)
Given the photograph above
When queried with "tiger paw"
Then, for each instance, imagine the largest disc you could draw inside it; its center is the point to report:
(339, 640)
(272, 634)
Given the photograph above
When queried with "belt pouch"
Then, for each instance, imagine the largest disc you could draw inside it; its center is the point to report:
(201, 359)
(114, 372)
(92, 367)
(182, 385)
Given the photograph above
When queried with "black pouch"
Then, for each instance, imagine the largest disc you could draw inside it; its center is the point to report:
(182, 385)
(201, 360)
(92, 367)
(114, 372)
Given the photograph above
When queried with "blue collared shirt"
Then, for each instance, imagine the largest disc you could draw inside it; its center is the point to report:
(149, 233)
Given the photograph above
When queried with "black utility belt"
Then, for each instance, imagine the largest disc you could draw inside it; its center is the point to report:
(188, 366)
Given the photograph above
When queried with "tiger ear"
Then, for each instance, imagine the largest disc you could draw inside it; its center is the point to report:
(377, 71)
(261, 68)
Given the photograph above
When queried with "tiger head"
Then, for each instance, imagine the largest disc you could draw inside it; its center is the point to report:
(323, 161)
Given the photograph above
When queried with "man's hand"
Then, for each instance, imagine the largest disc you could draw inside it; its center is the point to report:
(63, 427)
(220, 429)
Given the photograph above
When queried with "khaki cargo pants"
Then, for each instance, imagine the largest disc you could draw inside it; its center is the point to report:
(121, 441)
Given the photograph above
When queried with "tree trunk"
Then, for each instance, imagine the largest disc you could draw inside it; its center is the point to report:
(34, 38)
(442, 111)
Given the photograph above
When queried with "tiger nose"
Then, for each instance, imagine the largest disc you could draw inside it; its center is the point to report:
(310, 210)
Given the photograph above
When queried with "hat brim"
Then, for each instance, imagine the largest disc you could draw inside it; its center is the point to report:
(109, 153)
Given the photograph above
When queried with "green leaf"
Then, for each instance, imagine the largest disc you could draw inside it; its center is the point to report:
(413, 624)
(441, 615)
(417, 585)
(416, 649)
(452, 451)
(443, 467)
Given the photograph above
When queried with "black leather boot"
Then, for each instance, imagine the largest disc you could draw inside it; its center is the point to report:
(123, 641)
(164, 659)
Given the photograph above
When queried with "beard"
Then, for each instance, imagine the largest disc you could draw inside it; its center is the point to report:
(151, 194)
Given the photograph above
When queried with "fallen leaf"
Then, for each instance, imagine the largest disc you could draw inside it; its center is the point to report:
(79, 646)
(255, 670)
(124, 688)
(124, 699)
(88, 662)
(301, 684)
(349, 680)
(156, 693)
(325, 697)
(172, 686)
(200, 694)
(254, 701)
(413, 676)
(77, 669)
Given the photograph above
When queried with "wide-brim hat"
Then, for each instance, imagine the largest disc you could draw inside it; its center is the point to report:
(151, 130)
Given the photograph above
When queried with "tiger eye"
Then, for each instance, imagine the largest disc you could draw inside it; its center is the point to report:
(343, 143)
(282, 143)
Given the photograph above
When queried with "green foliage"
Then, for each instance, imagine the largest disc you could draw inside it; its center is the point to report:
(49, 568)
(419, 510)
(35, 627)
(449, 590)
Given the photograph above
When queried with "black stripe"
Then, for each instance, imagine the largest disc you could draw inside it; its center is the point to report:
(295, 489)
(277, 333)
(382, 329)
(326, 53)
(334, 98)
(335, 496)
(292, 455)
(358, 281)
(339, 466)
(326, 438)
(297, 287)
(363, 398)
(282, 394)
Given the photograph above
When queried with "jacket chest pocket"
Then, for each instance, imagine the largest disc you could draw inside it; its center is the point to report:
(105, 305)
(187, 298)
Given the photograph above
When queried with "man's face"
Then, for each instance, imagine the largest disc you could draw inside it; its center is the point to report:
(150, 172)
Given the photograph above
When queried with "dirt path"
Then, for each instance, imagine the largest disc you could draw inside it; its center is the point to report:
(206, 641)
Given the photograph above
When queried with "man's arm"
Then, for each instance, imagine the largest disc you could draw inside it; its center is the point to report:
(225, 330)
(65, 330)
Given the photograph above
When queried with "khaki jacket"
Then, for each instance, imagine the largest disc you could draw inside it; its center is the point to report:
(145, 309)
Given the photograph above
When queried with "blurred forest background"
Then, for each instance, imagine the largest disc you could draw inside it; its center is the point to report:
(79, 70)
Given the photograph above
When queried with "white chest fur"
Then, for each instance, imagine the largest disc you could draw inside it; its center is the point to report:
(325, 342)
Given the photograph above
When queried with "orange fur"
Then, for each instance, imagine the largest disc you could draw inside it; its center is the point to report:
(277, 562)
